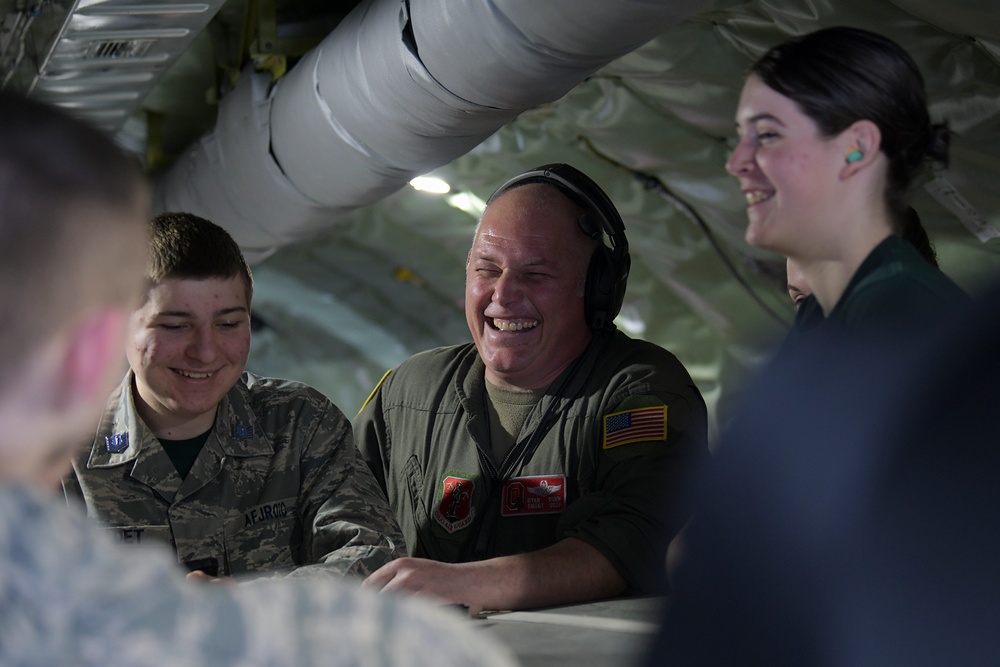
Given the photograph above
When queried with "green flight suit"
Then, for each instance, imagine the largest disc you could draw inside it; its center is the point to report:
(598, 458)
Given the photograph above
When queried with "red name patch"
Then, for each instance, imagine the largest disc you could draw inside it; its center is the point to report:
(543, 494)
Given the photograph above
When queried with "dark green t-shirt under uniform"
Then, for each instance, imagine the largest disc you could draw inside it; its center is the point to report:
(894, 286)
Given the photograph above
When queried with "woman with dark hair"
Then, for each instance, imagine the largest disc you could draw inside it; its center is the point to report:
(834, 131)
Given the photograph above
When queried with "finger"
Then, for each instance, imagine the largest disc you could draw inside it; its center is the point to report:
(395, 584)
(227, 581)
(380, 577)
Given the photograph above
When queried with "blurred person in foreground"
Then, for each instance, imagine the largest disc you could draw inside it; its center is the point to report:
(73, 212)
(859, 527)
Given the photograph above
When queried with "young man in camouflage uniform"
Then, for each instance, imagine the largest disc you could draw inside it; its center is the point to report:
(239, 473)
(72, 235)
(531, 467)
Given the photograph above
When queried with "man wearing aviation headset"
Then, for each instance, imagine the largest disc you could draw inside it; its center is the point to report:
(537, 464)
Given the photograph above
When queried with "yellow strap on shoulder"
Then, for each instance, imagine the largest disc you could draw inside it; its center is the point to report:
(372, 395)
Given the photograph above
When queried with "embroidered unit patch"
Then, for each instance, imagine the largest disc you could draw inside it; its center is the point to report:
(621, 428)
(541, 494)
(455, 511)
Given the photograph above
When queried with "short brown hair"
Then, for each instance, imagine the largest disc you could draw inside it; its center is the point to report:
(183, 245)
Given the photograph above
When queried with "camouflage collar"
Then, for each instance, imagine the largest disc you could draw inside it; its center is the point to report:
(237, 428)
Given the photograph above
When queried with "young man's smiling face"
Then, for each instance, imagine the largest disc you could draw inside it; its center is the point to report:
(524, 287)
(188, 345)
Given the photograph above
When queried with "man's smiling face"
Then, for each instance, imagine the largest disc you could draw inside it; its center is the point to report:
(524, 287)
(188, 344)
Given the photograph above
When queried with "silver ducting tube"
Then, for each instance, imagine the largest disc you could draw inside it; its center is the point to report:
(397, 89)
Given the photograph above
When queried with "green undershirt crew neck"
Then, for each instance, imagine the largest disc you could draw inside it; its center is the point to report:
(508, 408)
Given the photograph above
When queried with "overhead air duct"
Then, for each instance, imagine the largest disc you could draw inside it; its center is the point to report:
(396, 90)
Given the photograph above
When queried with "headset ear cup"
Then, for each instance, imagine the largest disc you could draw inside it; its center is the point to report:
(600, 290)
(589, 226)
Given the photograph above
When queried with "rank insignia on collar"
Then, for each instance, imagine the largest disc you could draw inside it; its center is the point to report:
(117, 443)
(241, 431)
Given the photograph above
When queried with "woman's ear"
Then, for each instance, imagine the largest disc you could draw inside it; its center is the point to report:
(861, 143)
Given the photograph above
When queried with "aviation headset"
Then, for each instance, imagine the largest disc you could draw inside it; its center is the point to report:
(607, 273)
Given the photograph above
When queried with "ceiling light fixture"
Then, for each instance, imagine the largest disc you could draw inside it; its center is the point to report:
(468, 203)
(430, 184)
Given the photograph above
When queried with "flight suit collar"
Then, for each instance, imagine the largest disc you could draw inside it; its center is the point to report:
(470, 386)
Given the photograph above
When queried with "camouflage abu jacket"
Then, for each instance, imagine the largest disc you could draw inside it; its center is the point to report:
(68, 596)
(278, 485)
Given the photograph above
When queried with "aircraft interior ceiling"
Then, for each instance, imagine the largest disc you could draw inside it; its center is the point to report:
(297, 125)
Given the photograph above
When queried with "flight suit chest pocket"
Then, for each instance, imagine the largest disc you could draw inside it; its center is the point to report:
(264, 537)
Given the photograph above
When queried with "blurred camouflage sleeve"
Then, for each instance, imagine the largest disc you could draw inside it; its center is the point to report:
(68, 596)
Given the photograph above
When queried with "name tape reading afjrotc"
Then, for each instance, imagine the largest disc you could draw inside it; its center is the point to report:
(266, 512)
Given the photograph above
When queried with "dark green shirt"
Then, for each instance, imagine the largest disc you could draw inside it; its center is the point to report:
(894, 285)
(183, 452)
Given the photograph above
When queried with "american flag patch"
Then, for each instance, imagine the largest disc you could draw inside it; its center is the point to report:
(621, 428)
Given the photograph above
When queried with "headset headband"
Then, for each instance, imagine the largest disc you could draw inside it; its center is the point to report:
(582, 190)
